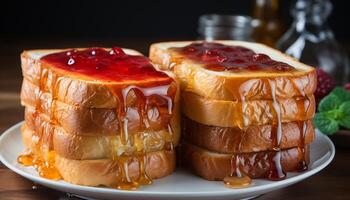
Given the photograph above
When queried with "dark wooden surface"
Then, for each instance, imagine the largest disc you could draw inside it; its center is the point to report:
(331, 183)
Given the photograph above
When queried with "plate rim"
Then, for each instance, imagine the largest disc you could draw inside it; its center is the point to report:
(65, 185)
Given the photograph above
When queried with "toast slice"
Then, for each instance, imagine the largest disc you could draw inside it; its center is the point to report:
(86, 89)
(244, 114)
(239, 84)
(109, 172)
(251, 139)
(91, 147)
(92, 121)
(215, 166)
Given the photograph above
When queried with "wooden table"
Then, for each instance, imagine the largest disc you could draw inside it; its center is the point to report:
(331, 183)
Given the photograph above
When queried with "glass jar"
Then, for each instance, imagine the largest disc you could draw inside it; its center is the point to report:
(225, 27)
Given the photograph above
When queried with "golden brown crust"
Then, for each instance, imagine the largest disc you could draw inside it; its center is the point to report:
(74, 90)
(215, 166)
(108, 172)
(251, 139)
(91, 121)
(92, 147)
(212, 85)
(247, 113)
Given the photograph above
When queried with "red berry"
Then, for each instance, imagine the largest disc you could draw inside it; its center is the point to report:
(347, 86)
(325, 84)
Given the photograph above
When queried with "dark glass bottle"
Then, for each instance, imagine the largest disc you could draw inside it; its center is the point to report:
(310, 40)
(267, 24)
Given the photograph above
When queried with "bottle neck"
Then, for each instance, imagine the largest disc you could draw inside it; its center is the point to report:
(311, 16)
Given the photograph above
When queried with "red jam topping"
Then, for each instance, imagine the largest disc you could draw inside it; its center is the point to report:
(106, 65)
(219, 57)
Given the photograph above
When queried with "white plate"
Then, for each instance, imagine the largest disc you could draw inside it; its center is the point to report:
(180, 185)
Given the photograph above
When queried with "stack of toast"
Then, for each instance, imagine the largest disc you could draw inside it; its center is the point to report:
(98, 116)
(246, 108)
(111, 117)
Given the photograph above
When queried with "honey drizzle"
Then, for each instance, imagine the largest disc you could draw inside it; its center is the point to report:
(275, 171)
(237, 178)
(302, 165)
(42, 157)
(143, 95)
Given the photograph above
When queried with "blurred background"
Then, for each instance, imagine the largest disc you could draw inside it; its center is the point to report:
(137, 24)
(36, 24)
(314, 31)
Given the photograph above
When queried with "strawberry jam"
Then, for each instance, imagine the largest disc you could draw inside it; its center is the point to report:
(108, 65)
(219, 57)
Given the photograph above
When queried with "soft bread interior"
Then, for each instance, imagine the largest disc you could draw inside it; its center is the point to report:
(256, 47)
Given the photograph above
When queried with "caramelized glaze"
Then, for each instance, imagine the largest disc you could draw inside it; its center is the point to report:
(220, 57)
(152, 90)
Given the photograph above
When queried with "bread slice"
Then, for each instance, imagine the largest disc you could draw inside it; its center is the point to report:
(248, 140)
(78, 89)
(91, 147)
(216, 166)
(108, 172)
(248, 113)
(92, 121)
(233, 86)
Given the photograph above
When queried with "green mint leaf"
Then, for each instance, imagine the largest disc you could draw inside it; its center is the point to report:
(325, 124)
(345, 107)
(341, 93)
(344, 120)
(333, 114)
(330, 102)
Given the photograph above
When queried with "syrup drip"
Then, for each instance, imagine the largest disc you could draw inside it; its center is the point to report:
(276, 171)
(237, 182)
(46, 167)
(41, 157)
(171, 134)
(302, 166)
(237, 179)
(143, 98)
